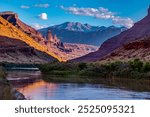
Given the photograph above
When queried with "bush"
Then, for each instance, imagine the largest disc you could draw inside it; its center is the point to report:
(146, 67)
(136, 65)
(82, 66)
(136, 75)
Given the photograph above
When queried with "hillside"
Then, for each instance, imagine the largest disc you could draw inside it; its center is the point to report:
(74, 32)
(139, 49)
(10, 31)
(16, 51)
(140, 30)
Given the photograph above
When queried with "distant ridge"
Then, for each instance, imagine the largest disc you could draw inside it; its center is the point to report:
(76, 26)
(75, 32)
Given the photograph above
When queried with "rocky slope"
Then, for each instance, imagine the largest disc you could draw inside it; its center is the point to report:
(139, 49)
(78, 50)
(9, 32)
(16, 51)
(140, 30)
(74, 32)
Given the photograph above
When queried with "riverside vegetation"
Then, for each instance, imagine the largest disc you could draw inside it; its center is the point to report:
(135, 69)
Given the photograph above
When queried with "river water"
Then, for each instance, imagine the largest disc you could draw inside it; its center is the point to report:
(30, 83)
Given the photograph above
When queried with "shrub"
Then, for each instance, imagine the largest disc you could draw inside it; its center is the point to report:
(136, 65)
(146, 67)
(82, 66)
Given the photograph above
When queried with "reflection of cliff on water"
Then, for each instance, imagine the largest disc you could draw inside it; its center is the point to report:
(36, 89)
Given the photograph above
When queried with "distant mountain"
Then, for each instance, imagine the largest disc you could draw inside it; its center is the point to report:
(76, 26)
(141, 30)
(74, 32)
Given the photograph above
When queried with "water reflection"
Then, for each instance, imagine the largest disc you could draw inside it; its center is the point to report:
(33, 87)
(38, 90)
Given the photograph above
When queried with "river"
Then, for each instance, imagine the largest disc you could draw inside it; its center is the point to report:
(31, 85)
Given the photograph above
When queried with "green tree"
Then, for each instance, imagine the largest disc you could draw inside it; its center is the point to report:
(82, 66)
(136, 65)
(146, 67)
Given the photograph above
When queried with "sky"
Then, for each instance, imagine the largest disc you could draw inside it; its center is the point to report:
(44, 13)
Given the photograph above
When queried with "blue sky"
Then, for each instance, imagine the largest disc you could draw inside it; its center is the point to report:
(43, 13)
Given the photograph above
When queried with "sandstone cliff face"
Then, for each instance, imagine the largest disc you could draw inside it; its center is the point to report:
(11, 32)
(139, 30)
(14, 20)
(53, 41)
(31, 32)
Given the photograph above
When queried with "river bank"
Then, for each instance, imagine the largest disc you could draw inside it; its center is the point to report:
(7, 92)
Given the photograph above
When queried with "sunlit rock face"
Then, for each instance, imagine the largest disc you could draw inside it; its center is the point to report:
(14, 20)
(9, 35)
(140, 30)
(53, 40)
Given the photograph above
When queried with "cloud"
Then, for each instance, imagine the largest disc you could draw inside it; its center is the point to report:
(42, 5)
(100, 13)
(38, 26)
(43, 16)
(24, 7)
(36, 5)
(127, 22)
